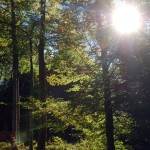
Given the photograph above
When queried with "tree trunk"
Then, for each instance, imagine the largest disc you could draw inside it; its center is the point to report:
(107, 103)
(103, 9)
(42, 132)
(16, 100)
(31, 93)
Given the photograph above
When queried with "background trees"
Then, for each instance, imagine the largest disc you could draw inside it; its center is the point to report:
(86, 80)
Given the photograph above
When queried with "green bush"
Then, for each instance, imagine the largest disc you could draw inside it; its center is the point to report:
(4, 145)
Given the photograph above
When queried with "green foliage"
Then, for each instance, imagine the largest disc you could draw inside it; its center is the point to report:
(74, 61)
(58, 144)
(4, 145)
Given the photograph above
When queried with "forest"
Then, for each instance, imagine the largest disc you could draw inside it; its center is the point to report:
(73, 77)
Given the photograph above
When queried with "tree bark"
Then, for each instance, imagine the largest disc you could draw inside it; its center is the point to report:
(107, 103)
(103, 9)
(31, 92)
(16, 100)
(42, 132)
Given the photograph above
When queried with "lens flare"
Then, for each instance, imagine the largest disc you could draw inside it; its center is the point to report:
(126, 19)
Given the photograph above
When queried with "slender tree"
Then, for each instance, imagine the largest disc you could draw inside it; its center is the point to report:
(42, 132)
(107, 102)
(31, 90)
(31, 80)
(16, 107)
(102, 38)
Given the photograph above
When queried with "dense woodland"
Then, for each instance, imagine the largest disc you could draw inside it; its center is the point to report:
(69, 80)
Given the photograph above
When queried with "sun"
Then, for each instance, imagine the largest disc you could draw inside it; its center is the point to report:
(126, 19)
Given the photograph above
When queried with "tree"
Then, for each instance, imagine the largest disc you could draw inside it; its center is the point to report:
(42, 132)
(94, 82)
(102, 37)
(16, 107)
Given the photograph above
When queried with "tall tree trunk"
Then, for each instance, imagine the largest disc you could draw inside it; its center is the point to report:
(16, 100)
(31, 92)
(42, 132)
(103, 8)
(107, 103)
